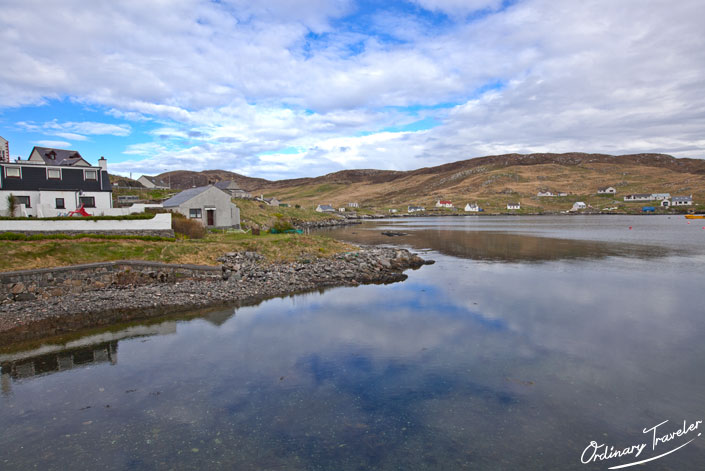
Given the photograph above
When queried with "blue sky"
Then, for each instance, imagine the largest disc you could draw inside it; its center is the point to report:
(302, 88)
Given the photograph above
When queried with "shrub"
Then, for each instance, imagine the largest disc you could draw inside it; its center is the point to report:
(188, 227)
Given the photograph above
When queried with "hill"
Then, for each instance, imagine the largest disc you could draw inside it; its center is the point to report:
(493, 181)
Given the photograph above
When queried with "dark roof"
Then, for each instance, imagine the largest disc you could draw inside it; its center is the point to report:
(326, 207)
(63, 157)
(184, 196)
(227, 185)
(682, 198)
(156, 181)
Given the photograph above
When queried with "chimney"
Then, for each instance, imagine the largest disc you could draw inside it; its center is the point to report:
(103, 163)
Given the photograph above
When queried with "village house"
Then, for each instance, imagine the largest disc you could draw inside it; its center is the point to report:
(208, 205)
(660, 196)
(638, 197)
(444, 204)
(513, 206)
(562, 193)
(578, 205)
(353, 205)
(682, 200)
(53, 182)
(607, 190)
(233, 189)
(415, 209)
(472, 208)
(393, 210)
(325, 208)
(153, 183)
(4, 150)
(544, 193)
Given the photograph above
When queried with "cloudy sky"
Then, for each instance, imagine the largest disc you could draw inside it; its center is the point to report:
(287, 88)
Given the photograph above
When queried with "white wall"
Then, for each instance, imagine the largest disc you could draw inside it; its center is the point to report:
(160, 222)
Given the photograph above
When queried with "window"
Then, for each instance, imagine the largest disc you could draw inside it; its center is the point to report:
(194, 213)
(13, 172)
(23, 200)
(60, 203)
(90, 175)
(87, 201)
(54, 174)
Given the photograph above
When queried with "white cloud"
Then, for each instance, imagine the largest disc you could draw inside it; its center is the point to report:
(55, 144)
(231, 80)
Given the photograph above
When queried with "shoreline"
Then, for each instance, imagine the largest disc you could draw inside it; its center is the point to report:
(246, 279)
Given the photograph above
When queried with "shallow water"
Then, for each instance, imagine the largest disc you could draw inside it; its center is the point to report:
(528, 339)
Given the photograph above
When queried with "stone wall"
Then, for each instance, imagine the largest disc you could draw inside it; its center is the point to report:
(160, 224)
(43, 283)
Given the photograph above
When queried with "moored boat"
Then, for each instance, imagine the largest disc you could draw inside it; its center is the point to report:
(695, 216)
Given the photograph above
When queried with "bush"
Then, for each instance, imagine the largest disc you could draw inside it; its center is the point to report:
(282, 225)
(188, 227)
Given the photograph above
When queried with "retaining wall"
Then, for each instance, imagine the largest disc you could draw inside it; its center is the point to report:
(160, 225)
(44, 283)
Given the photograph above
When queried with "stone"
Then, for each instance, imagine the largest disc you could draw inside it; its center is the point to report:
(17, 288)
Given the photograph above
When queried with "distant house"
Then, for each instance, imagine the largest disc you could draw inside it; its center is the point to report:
(638, 197)
(562, 193)
(393, 210)
(353, 205)
(415, 209)
(325, 208)
(209, 205)
(444, 204)
(607, 190)
(341, 209)
(273, 201)
(153, 183)
(54, 181)
(543, 193)
(4, 150)
(682, 200)
(578, 205)
(472, 208)
(233, 189)
(513, 206)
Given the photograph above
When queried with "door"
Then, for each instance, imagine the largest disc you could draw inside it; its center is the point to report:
(210, 214)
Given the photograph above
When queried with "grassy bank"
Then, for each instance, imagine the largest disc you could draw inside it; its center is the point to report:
(20, 255)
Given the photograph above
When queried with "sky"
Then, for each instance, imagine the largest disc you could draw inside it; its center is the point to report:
(287, 88)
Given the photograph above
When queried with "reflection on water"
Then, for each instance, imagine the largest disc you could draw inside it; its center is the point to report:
(465, 365)
(500, 246)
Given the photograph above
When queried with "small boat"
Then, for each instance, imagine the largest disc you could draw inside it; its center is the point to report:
(695, 216)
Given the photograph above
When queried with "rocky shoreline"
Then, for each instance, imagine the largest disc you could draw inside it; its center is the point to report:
(246, 279)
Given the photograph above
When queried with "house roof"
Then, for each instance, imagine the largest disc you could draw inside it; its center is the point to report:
(184, 196)
(326, 207)
(682, 198)
(227, 185)
(640, 195)
(156, 181)
(445, 202)
(513, 204)
(61, 157)
(603, 188)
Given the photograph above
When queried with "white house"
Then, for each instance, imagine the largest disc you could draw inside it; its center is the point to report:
(660, 196)
(325, 208)
(4, 150)
(682, 200)
(393, 210)
(414, 209)
(562, 193)
(53, 182)
(543, 193)
(513, 206)
(233, 188)
(353, 205)
(444, 204)
(578, 205)
(638, 197)
(209, 205)
(153, 183)
(472, 208)
(607, 190)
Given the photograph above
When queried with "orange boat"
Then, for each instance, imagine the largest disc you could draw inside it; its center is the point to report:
(695, 216)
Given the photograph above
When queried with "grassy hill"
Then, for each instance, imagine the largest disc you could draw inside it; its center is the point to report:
(496, 180)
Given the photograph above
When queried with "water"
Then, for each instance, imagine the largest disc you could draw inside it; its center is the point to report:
(528, 339)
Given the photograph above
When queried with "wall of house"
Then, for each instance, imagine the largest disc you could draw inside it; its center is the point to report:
(226, 213)
(159, 225)
(47, 282)
(43, 204)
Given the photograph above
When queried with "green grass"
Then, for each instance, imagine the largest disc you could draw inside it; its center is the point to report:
(26, 254)
(260, 214)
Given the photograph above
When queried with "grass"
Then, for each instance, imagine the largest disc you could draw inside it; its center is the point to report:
(260, 214)
(20, 255)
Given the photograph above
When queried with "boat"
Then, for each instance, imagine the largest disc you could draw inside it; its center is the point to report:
(695, 216)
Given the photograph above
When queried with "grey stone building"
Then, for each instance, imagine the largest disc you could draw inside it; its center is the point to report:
(207, 204)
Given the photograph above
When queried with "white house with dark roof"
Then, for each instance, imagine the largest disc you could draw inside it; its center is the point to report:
(229, 186)
(53, 182)
(209, 205)
(153, 183)
(472, 208)
(682, 200)
(325, 208)
(638, 197)
(415, 209)
(607, 190)
(4, 150)
(513, 206)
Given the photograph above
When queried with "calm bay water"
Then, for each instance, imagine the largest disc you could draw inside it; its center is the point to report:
(528, 339)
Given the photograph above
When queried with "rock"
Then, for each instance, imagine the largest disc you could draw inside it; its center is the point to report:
(17, 288)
